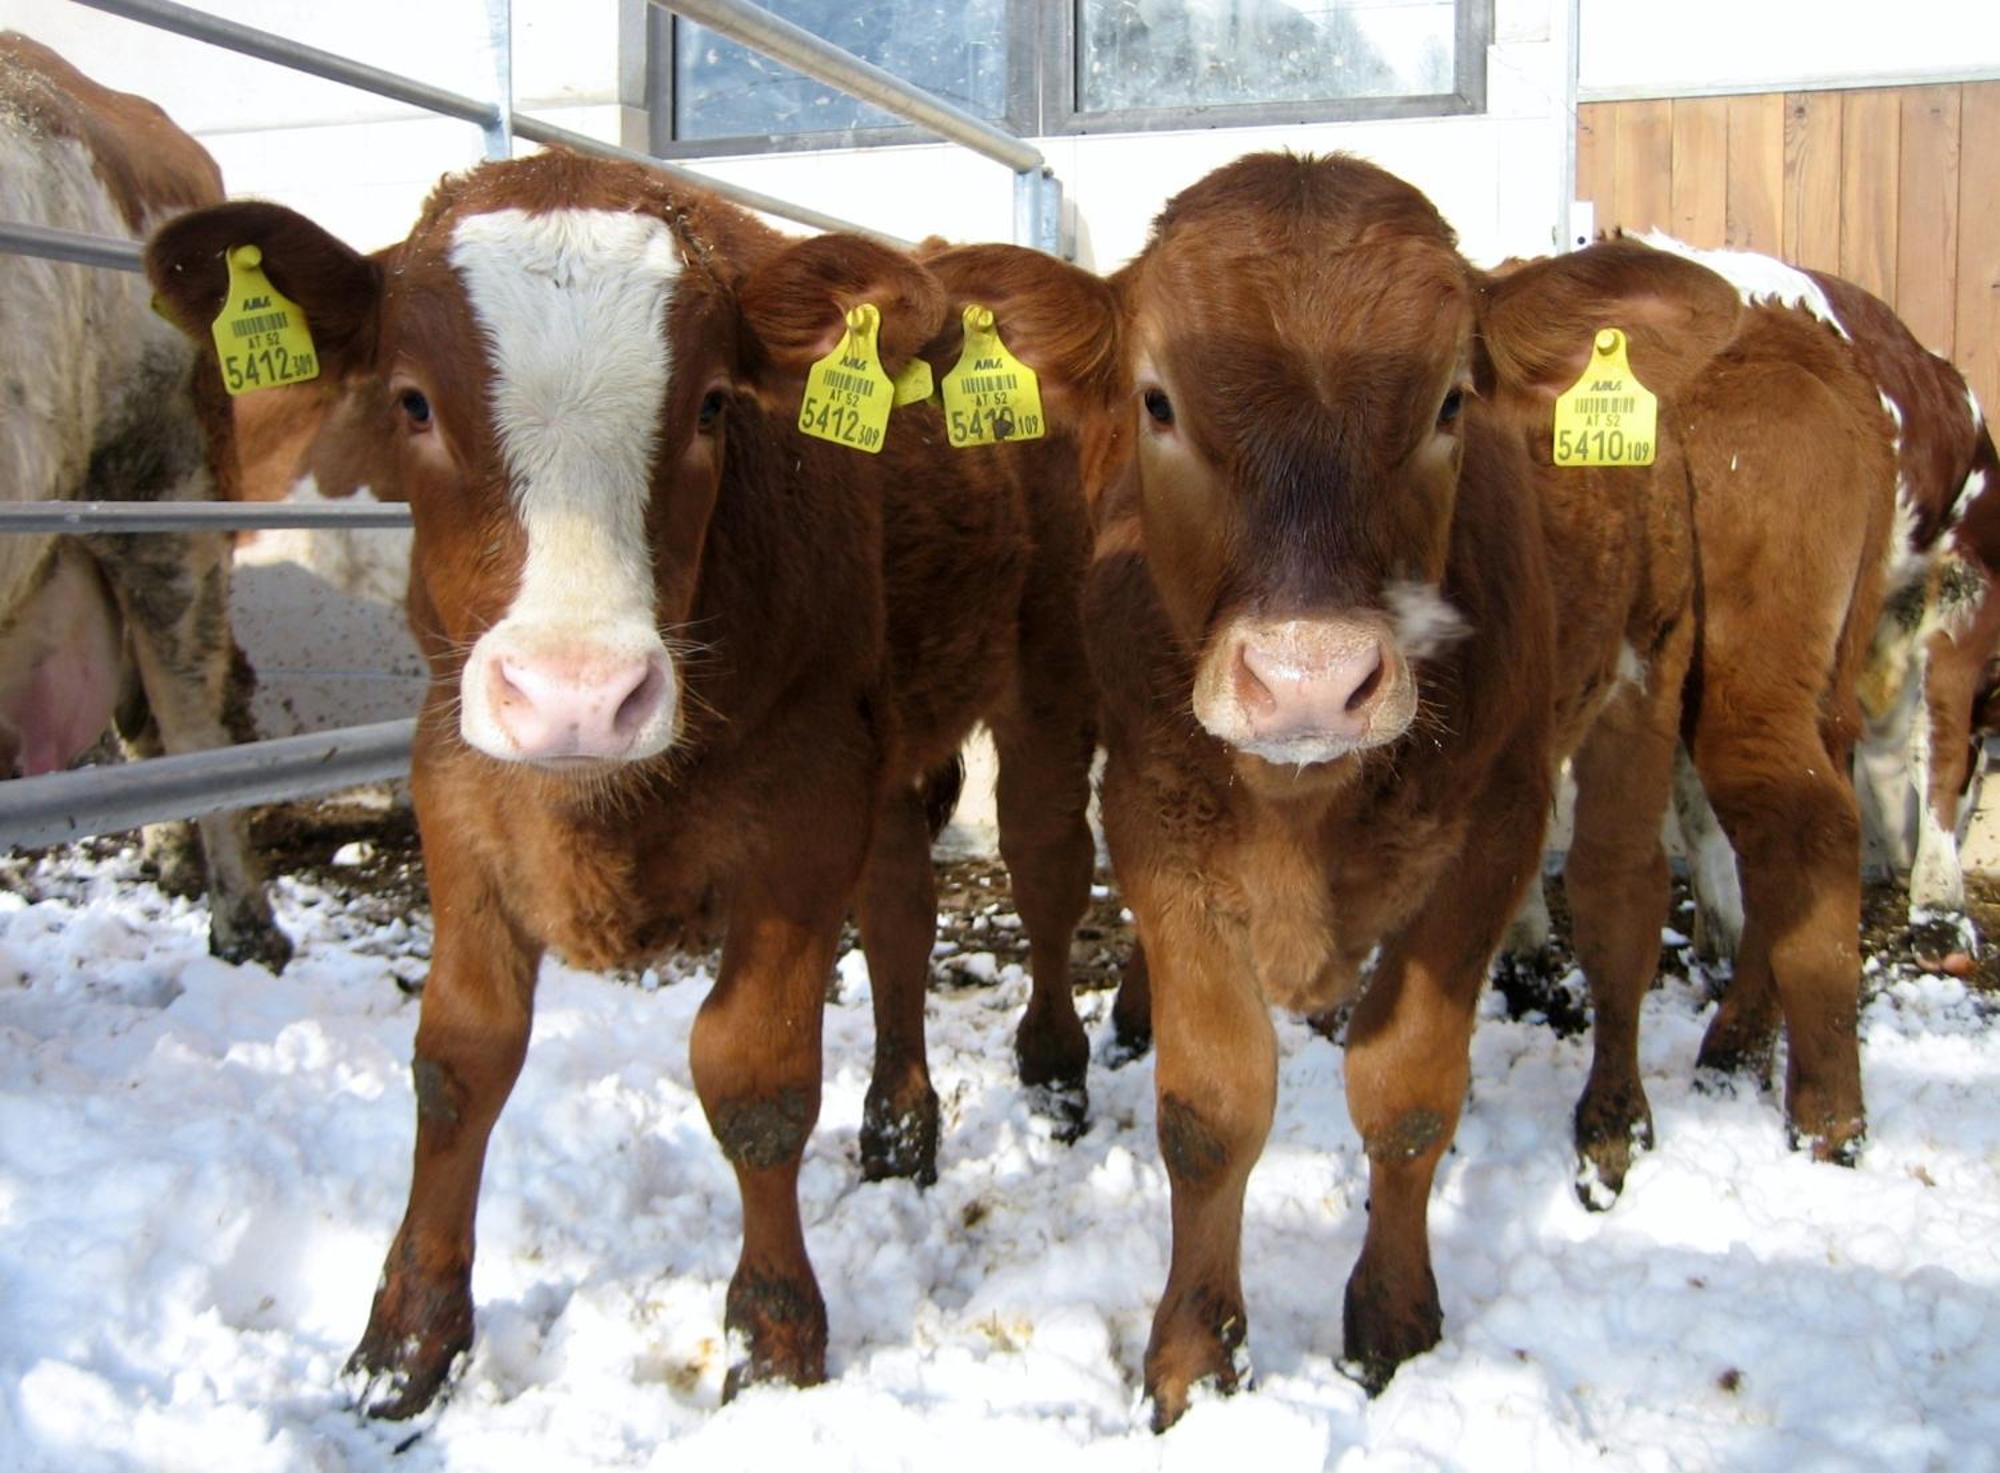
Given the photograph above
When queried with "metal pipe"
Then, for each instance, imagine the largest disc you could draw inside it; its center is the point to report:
(801, 50)
(536, 131)
(196, 516)
(183, 20)
(104, 800)
(71, 245)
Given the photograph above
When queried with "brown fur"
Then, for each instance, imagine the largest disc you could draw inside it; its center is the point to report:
(1305, 320)
(846, 619)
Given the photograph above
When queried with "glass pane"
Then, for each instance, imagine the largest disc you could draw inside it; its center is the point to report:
(1195, 53)
(955, 48)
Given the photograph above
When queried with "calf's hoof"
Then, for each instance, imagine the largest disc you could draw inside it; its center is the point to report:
(413, 1343)
(1383, 1328)
(1831, 1136)
(247, 936)
(1199, 1340)
(1065, 1106)
(899, 1135)
(1609, 1134)
(777, 1331)
(1735, 1048)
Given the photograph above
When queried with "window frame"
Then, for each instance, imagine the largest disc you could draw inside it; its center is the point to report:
(1043, 88)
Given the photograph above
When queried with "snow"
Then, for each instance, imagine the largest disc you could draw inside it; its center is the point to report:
(201, 1165)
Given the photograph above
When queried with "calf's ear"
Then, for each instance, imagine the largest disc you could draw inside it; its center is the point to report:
(795, 305)
(1061, 321)
(338, 288)
(1537, 321)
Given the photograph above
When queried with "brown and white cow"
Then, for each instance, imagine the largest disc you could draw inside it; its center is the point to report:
(689, 667)
(1347, 619)
(103, 400)
(1919, 746)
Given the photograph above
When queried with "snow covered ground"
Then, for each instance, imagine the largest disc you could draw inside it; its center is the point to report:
(200, 1167)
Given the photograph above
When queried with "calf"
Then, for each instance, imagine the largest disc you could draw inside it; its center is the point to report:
(689, 667)
(1347, 618)
(103, 400)
(1919, 747)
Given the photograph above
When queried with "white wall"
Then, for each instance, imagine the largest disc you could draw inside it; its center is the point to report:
(1644, 48)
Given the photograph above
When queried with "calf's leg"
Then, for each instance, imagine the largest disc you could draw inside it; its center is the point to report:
(1216, 1087)
(756, 1058)
(1616, 878)
(472, 1035)
(1408, 1066)
(1042, 796)
(899, 1120)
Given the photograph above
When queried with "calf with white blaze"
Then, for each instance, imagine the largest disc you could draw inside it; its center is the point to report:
(101, 400)
(1348, 618)
(690, 670)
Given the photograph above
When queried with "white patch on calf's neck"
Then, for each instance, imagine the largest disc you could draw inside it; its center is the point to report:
(1759, 280)
(573, 306)
(1425, 620)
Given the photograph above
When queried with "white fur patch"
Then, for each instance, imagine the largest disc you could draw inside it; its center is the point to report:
(1758, 279)
(1905, 562)
(1631, 669)
(1972, 403)
(573, 304)
(1974, 487)
(1425, 620)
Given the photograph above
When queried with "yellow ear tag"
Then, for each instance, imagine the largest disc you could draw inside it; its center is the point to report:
(991, 395)
(260, 335)
(914, 384)
(1607, 417)
(847, 393)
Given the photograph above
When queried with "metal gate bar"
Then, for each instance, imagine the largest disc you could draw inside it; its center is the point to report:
(103, 800)
(199, 25)
(73, 517)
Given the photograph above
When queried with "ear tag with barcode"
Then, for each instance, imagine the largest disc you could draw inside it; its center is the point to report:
(848, 396)
(1607, 417)
(991, 395)
(260, 335)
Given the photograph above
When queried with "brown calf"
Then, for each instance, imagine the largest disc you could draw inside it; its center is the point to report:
(1347, 618)
(690, 668)
(102, 400)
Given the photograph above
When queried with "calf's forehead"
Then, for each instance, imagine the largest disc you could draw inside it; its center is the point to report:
(1400, 295)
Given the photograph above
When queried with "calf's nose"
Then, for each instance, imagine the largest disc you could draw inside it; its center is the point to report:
(577, 705)
(1325, 688)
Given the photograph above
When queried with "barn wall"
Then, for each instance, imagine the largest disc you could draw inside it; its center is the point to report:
(1890, 187)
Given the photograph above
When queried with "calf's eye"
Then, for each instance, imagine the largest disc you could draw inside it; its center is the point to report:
(1159, 406)
(711, 408)
(1453, 402)
(416, 408)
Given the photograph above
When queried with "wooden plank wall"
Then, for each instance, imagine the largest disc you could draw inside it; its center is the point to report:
(1890, 187)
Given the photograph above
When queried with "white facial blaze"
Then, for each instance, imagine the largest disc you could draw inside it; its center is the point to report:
(573, 306)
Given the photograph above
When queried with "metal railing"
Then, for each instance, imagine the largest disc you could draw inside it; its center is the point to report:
(1037, 191)
(66, 806)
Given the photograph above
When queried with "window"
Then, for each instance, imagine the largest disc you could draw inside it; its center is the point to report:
(1076, 66)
